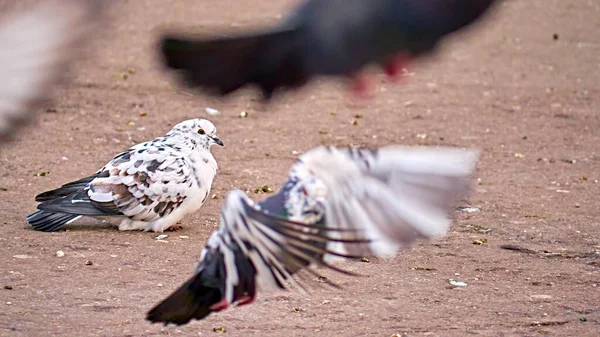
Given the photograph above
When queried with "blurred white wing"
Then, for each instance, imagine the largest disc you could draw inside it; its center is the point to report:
(396, 194)
(36, 47)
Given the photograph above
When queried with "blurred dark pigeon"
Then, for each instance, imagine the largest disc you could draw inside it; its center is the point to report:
(320, 37)
(336, 203)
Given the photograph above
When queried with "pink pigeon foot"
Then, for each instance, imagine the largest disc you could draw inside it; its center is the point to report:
(394, 66)
(221, 305)
(244, 300)
(173, 228)
(361, 87)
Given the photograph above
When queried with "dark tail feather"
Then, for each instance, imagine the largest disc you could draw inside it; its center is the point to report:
(192, 300)
(270, 60)
(49, 222)
(205, 291)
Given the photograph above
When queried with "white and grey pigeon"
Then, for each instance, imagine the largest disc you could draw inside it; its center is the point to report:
(149, 187)
(37, 47)
(336, 203)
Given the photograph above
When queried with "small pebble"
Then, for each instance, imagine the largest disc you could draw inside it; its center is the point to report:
(88, 263)
(212, 112)
(60, 253)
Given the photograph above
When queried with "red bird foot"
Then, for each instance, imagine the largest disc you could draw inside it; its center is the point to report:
(173, 228)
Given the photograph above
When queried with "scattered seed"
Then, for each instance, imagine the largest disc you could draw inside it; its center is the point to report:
(364, 259)
(184, 237)
(320, 279)
(298, 309)
(423, 268)
(519, 155)
(42, 174)
(88, 263)
(220, 329)
(214, 197)
(143, 114)
(326, 301)
(243, 114)
(8, 287)
(480, 241)
(354, 122)
(457, 283)
(161, 237)
(60, 253)
(22, 256)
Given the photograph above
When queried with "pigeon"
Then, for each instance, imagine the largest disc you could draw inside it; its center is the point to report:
(151, 186)
(36, 49)
(320, 37)
(337, 203)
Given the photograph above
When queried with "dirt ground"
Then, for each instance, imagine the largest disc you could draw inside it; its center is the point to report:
(527, 99)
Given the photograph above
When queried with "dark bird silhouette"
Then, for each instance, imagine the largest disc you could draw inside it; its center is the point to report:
(320, 37)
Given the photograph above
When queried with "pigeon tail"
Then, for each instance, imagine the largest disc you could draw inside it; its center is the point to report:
(50, 222)
(271, 60)
(204, 293)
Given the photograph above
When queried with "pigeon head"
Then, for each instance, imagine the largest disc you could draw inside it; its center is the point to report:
(198, 130)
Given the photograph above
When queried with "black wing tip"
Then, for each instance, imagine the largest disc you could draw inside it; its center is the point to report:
(49, 222)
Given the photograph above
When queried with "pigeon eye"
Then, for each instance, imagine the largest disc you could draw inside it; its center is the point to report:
(201, 131)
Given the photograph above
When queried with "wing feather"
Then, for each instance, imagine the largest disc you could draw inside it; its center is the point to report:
(37, 48)
(398, 194)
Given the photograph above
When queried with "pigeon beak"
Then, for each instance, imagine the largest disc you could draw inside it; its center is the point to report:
(217, 141)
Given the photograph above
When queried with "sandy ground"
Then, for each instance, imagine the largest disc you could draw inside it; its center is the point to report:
(528, 101)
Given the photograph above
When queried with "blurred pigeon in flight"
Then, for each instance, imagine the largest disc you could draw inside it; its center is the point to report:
(336, 203)
(320, 37)
(36, 48)
(150, 186)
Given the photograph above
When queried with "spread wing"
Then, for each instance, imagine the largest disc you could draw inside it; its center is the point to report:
(375, 201)
(144, 183)
(251, 251)
(398, 194)
(36, 48)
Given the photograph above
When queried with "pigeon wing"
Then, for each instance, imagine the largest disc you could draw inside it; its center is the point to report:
(252, 250)
(397, 194)
(36, 48)
(144, 183)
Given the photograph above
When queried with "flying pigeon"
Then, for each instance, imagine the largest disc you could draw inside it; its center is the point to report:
(149, 187)
(36, 49)
(336, 203)
(320, 37)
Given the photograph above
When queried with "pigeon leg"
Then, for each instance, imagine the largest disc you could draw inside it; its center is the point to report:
(221, 305)
(246, 300)
(394, 66)
(174, 228)
(361, 86)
